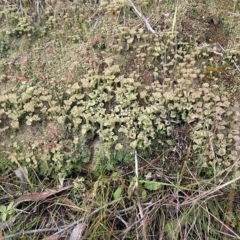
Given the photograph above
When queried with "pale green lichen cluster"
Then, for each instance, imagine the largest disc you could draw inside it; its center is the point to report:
(132, 97)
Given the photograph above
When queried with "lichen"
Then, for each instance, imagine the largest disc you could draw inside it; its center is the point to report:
(124, 85)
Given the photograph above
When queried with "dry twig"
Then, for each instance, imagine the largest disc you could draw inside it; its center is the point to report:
(30, 232)
(150, 29)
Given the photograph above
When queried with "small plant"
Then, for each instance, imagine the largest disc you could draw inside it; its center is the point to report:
(7, 212)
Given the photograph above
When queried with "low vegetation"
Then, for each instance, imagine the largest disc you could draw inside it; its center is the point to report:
(127, 111)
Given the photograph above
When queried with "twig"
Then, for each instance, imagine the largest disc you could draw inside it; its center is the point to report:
(117, 216)
(218, 53)
(20, 6)
(130, 227)
(125, 210)
(150, 29)
(175, 17)
(237, 67)
(140, 209)
(136, 167)
(143, 218)
(37, 9)
(31, 232)
(122, 220)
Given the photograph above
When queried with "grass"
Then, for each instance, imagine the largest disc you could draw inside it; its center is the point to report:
(190, 209)
(164, 192)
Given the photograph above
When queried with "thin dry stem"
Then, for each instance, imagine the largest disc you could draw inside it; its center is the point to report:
(140, 15)
(30, 232)
(210, 192)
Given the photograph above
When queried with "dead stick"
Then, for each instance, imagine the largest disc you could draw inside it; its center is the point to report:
(150, 29)
(31, 232)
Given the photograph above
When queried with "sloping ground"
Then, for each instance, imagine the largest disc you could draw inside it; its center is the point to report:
(87, 91)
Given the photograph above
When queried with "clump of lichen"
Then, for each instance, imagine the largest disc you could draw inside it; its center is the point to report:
(124, 85)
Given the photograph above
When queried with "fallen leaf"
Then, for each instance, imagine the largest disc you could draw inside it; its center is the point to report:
(77, 232)
(35, 197)
(22, 174)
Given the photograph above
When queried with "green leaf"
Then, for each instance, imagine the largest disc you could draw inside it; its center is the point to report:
(3, 209)
(169, 230)
(151, 185)
(118, 193)
(10, 206)
(4, 217)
